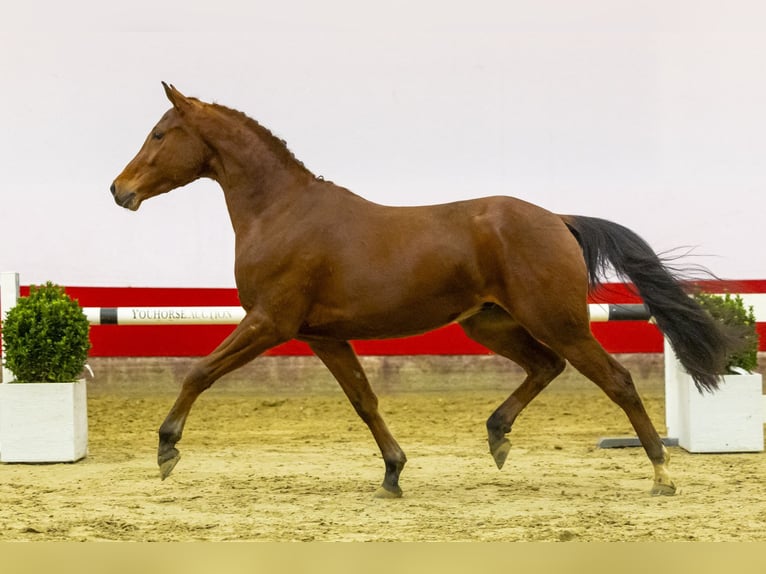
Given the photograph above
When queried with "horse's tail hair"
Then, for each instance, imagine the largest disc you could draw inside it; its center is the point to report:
(701, 344)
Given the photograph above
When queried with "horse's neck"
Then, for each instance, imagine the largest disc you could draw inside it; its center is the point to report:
(257, 184)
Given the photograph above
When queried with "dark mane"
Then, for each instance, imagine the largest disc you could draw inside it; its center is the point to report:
(277, 145)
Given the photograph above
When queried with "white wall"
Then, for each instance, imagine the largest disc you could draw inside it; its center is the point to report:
(650, 113)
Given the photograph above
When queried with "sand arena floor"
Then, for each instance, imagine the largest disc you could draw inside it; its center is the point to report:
(275, 452)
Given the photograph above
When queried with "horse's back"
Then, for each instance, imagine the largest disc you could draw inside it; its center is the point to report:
(498, 212)
(479, 239)
(382, 271)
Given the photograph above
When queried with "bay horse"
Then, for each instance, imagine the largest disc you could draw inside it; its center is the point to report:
(317, 263)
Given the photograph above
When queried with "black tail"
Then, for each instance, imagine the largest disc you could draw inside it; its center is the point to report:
(701, 344)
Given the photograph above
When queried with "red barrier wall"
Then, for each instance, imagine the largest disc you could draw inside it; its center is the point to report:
(197, 340)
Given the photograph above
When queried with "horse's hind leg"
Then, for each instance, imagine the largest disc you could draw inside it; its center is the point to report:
(252, 336)
(566, 329)
(343, 363)
(499, 332)
(594, 362)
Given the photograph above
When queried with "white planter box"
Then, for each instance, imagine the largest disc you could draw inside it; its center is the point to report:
(728, 420)
(43, 422)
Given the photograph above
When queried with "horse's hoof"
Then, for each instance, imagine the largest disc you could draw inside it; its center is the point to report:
(660, 489)
(385, 493)
(168, 463)
(500, 452)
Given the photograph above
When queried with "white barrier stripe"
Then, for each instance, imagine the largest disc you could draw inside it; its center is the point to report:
(164, 315)
(233, 315)
(598, 313)
(632, 311)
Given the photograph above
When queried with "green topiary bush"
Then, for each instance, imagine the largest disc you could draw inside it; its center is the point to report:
(732, 311)
(45, 337)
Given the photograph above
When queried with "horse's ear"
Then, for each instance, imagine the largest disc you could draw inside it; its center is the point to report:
(179, 101)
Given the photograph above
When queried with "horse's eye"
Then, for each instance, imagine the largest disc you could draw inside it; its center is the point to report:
(157, 135)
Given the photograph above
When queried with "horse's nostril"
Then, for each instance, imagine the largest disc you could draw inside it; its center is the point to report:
(112, 189)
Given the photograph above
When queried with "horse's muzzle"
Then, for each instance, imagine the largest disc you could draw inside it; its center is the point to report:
(125, 199)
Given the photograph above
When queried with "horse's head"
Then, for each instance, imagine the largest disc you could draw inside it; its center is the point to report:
(173, 155)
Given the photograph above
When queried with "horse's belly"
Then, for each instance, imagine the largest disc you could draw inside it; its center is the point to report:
(390, 323)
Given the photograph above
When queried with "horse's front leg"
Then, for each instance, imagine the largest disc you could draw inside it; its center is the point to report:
(343, 363)
(253, 336)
